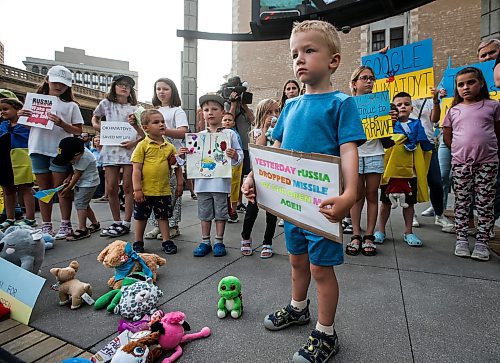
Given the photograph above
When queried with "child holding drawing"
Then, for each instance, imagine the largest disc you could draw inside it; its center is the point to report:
(334, 128)
(119, 105)
(15, 164)
(43, 144)
(212, 192)
(266, 110)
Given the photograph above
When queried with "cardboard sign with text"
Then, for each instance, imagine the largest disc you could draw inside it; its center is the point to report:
(19, 290)
(291, 185)
(404, 69)
(116, 132)
(207, 155)
(40, 107)
(374, 111)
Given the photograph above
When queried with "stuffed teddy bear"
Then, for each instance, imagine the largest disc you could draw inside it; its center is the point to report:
(24, 248)
(110, 299)
(121, 256)
(172, 328)
(69, 287)
(136, 351)
(230, 298)
(396, 191)
(138, 299)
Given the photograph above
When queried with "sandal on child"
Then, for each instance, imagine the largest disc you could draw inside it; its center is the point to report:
(379, 237)
(105, 232)
(118, 231)
(412, 240)
(367, 247)
(353, 248)
(246, 248)
(94, 227)
(78, 235)
(266, 252)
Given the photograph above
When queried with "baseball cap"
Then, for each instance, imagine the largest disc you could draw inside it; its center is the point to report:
(125, 78)
(60, 74)
(5, 93)
(69, 147)
(211, 97)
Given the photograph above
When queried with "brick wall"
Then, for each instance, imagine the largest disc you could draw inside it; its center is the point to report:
(454, 26)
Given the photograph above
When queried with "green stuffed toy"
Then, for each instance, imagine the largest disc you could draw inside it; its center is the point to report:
(230, 300)
(110, 299)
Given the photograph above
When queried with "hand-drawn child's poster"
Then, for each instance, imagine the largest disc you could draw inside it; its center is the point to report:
(206, 156)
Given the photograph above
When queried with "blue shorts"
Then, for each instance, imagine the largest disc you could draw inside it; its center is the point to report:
(42, 164)
(322, 251)
(371, 164)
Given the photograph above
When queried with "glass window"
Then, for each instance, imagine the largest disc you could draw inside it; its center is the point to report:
(378, 40)
(95, 78)
(44, 70)
(86, 78)
(397, 37)
(110, 80)
(102, 79)
(35, 69)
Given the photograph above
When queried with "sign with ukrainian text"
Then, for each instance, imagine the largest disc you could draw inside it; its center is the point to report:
(404, 69)
(292, 185)
(374, 111)
(40, 107)
(116, 132)
(448, 83)
(19, 290)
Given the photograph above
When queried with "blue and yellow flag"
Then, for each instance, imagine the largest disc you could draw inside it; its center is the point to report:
(47, 194)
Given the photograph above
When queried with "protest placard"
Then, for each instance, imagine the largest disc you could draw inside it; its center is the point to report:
(448, 83)
(19, 290)
(292, 185)
(374, 111)
(206, 156)
(404, 69)
(116, 132)
(40, 107)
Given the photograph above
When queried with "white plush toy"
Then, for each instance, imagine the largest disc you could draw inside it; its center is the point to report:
(395, 197)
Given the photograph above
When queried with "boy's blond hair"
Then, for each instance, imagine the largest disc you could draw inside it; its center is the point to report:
(326, 30)
(146, 116)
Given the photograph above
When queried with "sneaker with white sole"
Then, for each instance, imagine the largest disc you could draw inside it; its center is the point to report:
(462, 249)
(442, 221)
(319, 348)
(481, 252)
(287, 316)
(415, 223)
(429, 212)
(64, 231)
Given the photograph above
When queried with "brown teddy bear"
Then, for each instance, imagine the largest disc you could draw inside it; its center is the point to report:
(120, 256)
(69, 286)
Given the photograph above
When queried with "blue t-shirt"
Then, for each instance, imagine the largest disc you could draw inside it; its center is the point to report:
(319, 123)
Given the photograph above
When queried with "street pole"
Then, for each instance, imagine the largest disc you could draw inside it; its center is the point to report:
(190, 63)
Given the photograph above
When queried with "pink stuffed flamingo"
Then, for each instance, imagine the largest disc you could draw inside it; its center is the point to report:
(171, 328)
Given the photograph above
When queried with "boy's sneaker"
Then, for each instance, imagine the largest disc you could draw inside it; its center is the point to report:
(429, 212)
(233, 217)
(241, 208)
(287, 316)
(64, 231)
(319, 348)
(481, 252)
(169, 247)
(26, 222)
(138, 247)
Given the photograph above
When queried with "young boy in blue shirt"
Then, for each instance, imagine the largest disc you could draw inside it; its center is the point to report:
(212, 193)
(327, 122)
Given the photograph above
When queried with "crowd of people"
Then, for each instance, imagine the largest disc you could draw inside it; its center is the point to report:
(145, 176)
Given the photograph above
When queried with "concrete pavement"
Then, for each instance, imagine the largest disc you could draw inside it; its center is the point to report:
(403, 305)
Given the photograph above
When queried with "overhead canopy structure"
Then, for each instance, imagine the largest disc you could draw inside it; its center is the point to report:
(273, 19)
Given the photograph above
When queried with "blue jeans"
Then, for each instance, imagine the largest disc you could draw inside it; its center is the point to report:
(444, 156)
(435, 184)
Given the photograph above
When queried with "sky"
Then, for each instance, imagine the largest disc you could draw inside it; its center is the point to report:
(141, 32)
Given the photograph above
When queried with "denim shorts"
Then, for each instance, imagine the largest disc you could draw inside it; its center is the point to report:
(322, 251)
(42, 164)
(371, 164)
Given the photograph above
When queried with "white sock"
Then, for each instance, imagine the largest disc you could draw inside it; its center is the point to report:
(327, 329)
(125, 223)
(117, 222)
(206, 240)
(299, 305)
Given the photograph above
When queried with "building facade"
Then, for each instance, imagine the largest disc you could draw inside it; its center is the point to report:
(2, 59)
(88, 71)
(454, 25)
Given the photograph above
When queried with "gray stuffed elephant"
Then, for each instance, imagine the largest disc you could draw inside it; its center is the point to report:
(23, 248)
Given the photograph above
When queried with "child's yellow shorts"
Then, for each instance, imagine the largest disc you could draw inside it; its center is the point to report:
(236, 182)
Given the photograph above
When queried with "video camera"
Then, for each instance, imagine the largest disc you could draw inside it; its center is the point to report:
(234, 84)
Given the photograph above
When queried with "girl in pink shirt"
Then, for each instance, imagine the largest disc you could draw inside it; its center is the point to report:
(471, 129)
